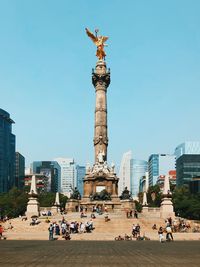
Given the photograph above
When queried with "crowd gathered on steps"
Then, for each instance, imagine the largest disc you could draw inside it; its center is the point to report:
(178, 225)
(66, 228)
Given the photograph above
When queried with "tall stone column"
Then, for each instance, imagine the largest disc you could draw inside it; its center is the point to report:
(101, 81)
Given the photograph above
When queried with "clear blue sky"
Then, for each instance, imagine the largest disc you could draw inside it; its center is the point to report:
(45, 75)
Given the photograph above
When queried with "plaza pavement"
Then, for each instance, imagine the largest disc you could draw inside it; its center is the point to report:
(99, 253)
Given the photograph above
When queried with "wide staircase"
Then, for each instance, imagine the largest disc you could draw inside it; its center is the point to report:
(117, 225)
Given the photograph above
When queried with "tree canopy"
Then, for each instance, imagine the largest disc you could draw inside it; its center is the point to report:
(186, 204)
(14, 203)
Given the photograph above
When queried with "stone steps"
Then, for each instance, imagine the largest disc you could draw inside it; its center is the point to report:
(118, 225)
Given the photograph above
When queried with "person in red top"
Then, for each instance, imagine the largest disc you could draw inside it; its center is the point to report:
(1, 231)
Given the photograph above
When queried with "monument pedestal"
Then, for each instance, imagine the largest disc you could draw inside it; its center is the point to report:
(167, 209)
(127, 204)
(55, 209)
(145, 210)
(32, 207)
(101, 179)
(33, 204)
(113, 205)
(72, 205)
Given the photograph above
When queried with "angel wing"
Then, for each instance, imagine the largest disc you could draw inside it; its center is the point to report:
(105, 38)
(91, 35)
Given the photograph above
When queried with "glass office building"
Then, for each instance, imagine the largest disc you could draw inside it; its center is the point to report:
(160, 164)
(7, 152)
(80, 174)
(138, 170)
(187, 169)
(153, 167)
(188, 148)
(50, 169)
(19, 170)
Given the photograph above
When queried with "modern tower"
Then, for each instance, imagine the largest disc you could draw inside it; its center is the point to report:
(187, 148)
(139, 169)
(187, 169)
(19, 170)
(160, 164)
(7, 152)
(130, 173)
(50, 169)
(125, 172)
(187, 163)
(68, 175)
(80, 174)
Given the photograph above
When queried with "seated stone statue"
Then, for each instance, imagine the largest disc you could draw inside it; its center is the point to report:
(103, 195)
(75, 194)
(125, 194)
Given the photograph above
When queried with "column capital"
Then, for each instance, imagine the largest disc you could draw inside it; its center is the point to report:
(101, 79)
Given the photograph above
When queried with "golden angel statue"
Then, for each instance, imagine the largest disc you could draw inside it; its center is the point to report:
(99, 42)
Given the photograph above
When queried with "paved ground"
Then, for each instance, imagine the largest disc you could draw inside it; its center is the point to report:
(99, 253)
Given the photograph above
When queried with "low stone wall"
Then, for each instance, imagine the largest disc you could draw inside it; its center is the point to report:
(45, 208)
(152, 212)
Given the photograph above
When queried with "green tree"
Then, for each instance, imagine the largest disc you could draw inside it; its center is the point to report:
(138, 206)
(63, 200)
(46, 199)
(13, 203)
(186, 205)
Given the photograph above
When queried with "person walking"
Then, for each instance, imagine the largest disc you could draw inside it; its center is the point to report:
(169, 236)
(135, 214)
(51, 228)
(160, 233)
(134, 230)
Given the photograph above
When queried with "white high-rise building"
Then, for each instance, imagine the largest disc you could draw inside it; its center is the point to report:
(130, 173)
(125, 172)
(68, 175)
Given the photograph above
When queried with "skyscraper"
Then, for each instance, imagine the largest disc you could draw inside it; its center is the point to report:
(153, 167)
(80, 173)
(125, 172)
(188, 148)
(52, 170)
(130, 173)
(160, 164)
(19, 170)
(7, 152)
(68, 175)
(138, 170)
(187, 168)
(187, 162)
